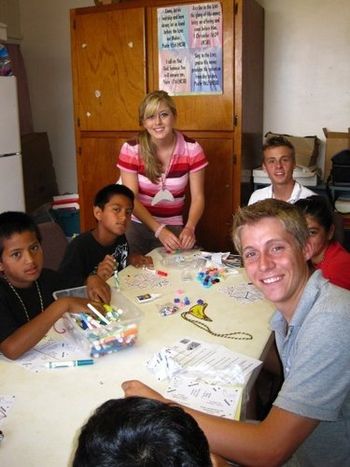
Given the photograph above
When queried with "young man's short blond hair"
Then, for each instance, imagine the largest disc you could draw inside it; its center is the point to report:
(289, 215)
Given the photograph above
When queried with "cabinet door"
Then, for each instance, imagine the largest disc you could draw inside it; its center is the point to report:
(96, 167)
(109, 68)
(214, 229)
(204, 112)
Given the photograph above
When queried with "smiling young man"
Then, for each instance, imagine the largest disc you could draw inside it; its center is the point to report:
(309, 423)
(279, 163)
(93, 256)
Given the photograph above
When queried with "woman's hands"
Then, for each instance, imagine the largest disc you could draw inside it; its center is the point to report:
(187, 238)
(169, 240)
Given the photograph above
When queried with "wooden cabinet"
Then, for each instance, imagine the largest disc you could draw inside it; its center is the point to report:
(115, 63)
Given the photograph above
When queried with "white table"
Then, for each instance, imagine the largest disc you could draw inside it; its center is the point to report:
(50, 407)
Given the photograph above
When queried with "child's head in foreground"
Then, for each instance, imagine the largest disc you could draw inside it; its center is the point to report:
(21, 256)
(136, 432)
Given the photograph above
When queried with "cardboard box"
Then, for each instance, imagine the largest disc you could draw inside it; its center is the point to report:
(335, 141)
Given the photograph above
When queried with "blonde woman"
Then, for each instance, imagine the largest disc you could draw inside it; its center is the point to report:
(157, 167)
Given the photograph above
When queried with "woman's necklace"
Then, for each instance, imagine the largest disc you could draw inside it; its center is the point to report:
(22, 302)
(164, 194)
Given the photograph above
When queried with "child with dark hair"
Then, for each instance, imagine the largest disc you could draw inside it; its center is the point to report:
(328, 254)
(136, 432)
(27, 308)
(93, 256)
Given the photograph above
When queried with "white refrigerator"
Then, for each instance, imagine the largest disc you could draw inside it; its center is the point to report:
(11, 174)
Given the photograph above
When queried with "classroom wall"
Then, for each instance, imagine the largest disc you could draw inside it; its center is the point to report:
(46, 50)
(307, 70)
(307, 66)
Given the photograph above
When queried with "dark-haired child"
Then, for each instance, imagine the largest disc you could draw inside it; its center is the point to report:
(328, 254)
(27, 307)
(93, 256)
(137, 432)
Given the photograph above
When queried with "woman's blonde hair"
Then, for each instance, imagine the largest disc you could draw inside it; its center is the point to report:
(289, 215)
(148, 107)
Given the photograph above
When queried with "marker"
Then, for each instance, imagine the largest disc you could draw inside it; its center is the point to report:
(70, 364)
(97, 313)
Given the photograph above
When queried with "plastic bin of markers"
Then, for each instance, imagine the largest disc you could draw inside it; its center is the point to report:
(106, 338)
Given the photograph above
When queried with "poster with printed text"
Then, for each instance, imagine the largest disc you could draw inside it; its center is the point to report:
(190, 49)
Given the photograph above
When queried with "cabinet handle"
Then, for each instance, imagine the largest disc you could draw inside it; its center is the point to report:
(98, 93)
(84, 45)
(130, 44)
(88, 114)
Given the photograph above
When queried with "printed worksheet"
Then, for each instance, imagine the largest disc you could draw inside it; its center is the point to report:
(210, 361)
(215, 399)
(47, 350)
(204, 376)
(6, 403)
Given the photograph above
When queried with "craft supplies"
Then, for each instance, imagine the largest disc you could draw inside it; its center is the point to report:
(168, 309)
(231, 261)
(70, 364)
(198, 312)
(101, 334)
(116, 279)
(158, 272)
(180, 258)
(98, 313)
(210, 276)
(147, 297)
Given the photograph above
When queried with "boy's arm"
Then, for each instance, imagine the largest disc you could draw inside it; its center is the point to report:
(28, 335)
(98, 289)
(139, 261)
(270, 442)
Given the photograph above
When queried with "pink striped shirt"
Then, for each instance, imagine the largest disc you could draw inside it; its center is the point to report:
(188, 157)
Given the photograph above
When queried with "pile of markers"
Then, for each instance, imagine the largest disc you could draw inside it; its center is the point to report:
(210, 276)
(107, 333)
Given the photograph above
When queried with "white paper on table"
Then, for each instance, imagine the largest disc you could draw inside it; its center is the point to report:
(47, 350)
(211, 362)
(215, 399)
(6, 403)
(215, 258)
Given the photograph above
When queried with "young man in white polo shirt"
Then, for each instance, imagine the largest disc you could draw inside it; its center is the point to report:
(279, 163)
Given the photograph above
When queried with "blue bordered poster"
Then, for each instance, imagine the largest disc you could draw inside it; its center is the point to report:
(190, 49)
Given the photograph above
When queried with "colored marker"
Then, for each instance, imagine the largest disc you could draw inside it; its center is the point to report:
(70, 364)
(97, 313)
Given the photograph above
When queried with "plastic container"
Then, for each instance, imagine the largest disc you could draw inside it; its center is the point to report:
(107, 338)
(181, 259)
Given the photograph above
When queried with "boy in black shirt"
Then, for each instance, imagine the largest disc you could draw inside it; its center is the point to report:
(27, 307)
(93, 256)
